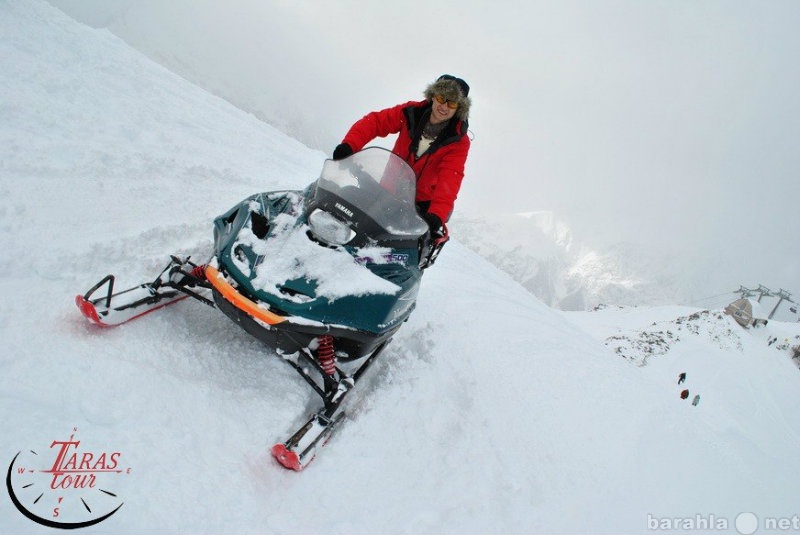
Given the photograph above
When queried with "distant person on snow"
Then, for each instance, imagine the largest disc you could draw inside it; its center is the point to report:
(681, 378)
(684, 394)
(432, 140)
(696, 400)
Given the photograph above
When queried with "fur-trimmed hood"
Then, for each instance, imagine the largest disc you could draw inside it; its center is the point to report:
(451, 88)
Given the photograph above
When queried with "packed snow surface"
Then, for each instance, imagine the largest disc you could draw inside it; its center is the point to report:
(488, 413)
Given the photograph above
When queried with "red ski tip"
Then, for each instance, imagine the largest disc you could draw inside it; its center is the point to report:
(285, 456)
(88, 310)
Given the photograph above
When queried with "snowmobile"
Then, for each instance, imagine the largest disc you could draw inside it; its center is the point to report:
(325, 275)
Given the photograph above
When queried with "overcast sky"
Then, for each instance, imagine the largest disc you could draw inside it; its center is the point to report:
(673, 122)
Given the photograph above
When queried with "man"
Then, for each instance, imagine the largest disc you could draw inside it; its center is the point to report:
(432, 138)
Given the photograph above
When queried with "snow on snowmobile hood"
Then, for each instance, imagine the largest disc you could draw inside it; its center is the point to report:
(290, 255)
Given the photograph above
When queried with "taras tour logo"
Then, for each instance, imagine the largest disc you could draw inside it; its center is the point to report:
(66, 486)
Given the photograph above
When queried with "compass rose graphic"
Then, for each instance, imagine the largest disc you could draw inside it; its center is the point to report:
(72, 491)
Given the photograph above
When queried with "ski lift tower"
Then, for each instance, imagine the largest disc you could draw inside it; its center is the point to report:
(763, 291)
(745, 292)
(782, 294)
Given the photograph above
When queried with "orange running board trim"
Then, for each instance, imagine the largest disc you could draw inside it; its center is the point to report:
(238, 300)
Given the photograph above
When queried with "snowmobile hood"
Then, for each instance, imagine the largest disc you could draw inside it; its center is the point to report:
(272, 254)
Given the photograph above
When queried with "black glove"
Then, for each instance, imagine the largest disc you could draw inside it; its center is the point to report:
(342, 151)
(435, 224)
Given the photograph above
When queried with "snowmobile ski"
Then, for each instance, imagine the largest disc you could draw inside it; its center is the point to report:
(297, 452)
(111, 309)
(128, 305)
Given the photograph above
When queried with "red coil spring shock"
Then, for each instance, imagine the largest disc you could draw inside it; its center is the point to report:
(199, 272)
(326, 354)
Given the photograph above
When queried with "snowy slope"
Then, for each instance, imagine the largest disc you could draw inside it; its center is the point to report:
(490, 412)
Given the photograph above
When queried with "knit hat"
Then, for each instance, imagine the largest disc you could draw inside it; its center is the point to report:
(451, 88)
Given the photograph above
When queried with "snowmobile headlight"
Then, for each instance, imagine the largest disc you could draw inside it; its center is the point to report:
(330, 229)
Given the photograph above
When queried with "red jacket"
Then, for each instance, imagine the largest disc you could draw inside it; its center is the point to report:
(439, 170)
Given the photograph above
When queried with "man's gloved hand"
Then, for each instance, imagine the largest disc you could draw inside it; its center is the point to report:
(342, 151)
(435, 224)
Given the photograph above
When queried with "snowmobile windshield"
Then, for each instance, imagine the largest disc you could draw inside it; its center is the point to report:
(375, 183)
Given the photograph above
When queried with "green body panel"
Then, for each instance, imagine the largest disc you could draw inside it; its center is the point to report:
(263, 216)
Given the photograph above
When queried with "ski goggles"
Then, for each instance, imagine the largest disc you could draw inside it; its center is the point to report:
(452, 104)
